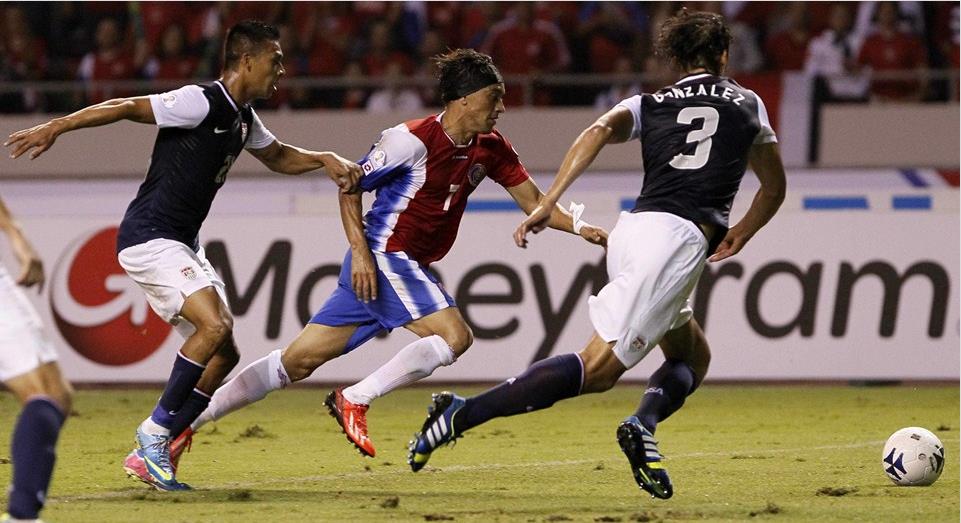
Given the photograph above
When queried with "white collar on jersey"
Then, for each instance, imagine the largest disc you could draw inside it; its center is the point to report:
(227, 94)
(692, 77)
(468, 144)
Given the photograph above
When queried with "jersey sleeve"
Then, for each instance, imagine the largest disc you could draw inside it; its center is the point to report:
(633, 104)
(185, 107)
(510, 172)
(766, 134)
(397, 153)
(260, 136)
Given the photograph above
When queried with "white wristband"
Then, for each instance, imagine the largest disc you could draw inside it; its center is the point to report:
(576, 210)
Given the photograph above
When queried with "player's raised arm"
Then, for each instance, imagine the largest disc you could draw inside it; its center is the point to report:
(41, 137)
(31, 268)
(528, 196)
(766, 162)
(614, 126)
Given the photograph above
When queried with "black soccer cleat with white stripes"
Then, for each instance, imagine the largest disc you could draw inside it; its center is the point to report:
(438, 429)
(640, 448)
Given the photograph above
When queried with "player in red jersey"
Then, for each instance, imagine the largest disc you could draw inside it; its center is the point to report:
(423, 172)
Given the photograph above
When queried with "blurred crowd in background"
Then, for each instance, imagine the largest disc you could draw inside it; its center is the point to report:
(181, 42)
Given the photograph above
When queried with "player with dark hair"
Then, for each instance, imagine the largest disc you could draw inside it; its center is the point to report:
(203, 128)
(423, 172)
(28, 367)
(697, 138)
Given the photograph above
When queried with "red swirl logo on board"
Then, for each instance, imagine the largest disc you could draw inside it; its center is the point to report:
(98, 309)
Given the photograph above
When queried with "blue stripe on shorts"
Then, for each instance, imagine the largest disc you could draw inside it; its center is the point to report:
(405, 291)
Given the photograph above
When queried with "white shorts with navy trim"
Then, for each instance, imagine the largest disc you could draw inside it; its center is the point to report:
(654, 260)
(169, 271)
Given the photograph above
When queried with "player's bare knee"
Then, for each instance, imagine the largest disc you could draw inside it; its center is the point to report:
(460, 339)
(601, 370)
(216, 332)
(598, 380)
(299, 366)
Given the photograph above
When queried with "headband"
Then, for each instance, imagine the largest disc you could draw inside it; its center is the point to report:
(474, 81)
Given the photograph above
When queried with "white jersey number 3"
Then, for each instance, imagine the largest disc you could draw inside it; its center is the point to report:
(700, 136)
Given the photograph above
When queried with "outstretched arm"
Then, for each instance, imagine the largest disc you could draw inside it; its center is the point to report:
(615, 126)
(766, 162)
(363, 271)
(290, 159)
(41, 137)
(31, 268)
(528, 196)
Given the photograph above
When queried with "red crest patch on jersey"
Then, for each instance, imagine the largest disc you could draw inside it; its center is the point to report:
(476, 173)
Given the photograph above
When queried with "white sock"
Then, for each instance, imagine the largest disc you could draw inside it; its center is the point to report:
(150, 426)
(252, 384)
(413, 362)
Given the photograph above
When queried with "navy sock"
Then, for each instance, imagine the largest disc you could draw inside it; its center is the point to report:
(183, 379)
(196, 403)
(540, 386)
(34, 452)
(666, 391)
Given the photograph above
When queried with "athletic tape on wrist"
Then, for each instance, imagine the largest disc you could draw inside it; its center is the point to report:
(576, 210)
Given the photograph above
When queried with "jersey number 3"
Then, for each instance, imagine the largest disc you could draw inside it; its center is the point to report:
(700, 136)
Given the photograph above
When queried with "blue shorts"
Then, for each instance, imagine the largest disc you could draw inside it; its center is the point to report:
(406, 291)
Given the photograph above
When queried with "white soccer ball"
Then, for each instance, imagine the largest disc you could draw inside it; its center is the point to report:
(913, 457)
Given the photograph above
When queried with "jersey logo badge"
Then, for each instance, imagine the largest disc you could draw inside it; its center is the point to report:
(476, 173)
(168, 99)
(189, 273)
(218, 130)
(379, 158)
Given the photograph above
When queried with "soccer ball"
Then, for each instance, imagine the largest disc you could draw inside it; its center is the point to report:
(913, 457)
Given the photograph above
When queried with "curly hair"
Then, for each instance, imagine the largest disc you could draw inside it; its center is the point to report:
(463, 71)
(691, 40)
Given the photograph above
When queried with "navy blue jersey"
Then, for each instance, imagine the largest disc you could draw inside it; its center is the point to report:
(202, 131)
(695, 137)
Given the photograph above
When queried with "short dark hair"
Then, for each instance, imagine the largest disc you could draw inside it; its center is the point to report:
(248, 37)
(463, 71)
(692, 40)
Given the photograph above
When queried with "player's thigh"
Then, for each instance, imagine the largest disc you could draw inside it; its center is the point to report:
(688, 344)
(448, 324)
(205, 309)
(314, 346)
(45, 380)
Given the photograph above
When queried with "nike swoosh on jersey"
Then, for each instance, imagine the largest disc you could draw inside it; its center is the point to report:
(218, 130)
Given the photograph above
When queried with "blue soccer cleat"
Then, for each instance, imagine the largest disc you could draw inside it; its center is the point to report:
(640, 448)
(437, 431)
(150, 462)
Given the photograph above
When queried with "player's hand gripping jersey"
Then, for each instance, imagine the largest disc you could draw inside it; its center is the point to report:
(695, 136)
(422, 181)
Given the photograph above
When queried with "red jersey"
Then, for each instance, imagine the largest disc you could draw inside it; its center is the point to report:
(422, 180)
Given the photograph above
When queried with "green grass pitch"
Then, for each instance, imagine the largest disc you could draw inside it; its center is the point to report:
(735, 453)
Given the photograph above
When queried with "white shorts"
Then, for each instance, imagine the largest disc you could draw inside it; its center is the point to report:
(23, 346)
(168, 272)
(654, 260)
